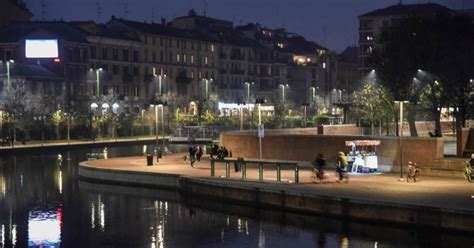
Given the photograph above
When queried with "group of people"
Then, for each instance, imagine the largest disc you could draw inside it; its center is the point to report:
(195, 153)
(342, 167)
(219, 152)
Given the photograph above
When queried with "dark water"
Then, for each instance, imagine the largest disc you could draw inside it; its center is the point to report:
(44, 204)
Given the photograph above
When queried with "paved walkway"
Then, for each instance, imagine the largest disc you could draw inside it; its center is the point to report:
(448, 193)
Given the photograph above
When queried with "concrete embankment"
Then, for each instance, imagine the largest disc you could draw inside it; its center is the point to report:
(292, 198)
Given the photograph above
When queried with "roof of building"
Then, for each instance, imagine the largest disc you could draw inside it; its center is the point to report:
(100, 30)
(203, 19)
(349, 55)
(21, 5)
(299, 45)
(64, 30)
(159, 29)
(407, 9)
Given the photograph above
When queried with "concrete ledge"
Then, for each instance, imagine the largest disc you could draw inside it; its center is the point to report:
(361, 209)
(266, 195)
(128, 177)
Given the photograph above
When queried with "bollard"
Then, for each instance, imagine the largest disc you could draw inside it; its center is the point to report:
(244, 171)
(297, 176)
(260, 172)
(212, 168)
(278, 172)
(227, 169)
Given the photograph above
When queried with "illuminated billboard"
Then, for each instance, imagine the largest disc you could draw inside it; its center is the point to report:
(41, 48)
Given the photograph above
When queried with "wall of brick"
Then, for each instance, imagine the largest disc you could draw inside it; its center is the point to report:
(306, 147)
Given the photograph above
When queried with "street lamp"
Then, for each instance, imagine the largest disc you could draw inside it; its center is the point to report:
(115, 108)
(156, 122)
(305, 105)
(162, 105)
(8, 64)
(283, 86)
(97, 75)
(241, 110)
(401, 137)
(94, 106)
(259, 102)
(161, 78)
(206, 86)
(247, 85)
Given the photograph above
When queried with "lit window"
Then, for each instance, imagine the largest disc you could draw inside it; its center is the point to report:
(192, 74)
(369, 50)
(206, 60)
(192, 59)
(324, 65)
(177, 57)
(280, 45)
(212, 47)
(184, 58)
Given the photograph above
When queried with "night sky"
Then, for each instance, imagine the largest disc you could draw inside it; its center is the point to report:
(332, 23)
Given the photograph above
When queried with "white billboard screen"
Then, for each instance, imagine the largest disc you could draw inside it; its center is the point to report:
(41, 48)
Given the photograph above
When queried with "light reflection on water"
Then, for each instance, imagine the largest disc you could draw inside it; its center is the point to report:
(44, 228)
(42, 203)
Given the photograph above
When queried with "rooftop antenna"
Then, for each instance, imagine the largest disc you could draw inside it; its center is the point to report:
(205, 7)
(125, 10)
(152, 15)
(43, 10)
(99, 11)
(324, 35)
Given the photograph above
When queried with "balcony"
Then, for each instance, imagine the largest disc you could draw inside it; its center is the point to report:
(237, 72)
(237, 57)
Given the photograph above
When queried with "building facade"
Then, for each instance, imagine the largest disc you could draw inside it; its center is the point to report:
(372, 24)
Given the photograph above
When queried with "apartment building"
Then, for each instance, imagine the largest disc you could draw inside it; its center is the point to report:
(371, 25)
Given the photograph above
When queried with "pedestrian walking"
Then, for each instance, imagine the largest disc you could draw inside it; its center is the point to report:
(192, 154)
(341, 167)
(198, 153)
(319, 164)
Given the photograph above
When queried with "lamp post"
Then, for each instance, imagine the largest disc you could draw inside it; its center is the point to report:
(161, 78)
(259, 102)
(283, 86)
(401, 138)
(97, 80)
(305, 105)
(94, 106)
(8, 73)
(115, 109)
(247, 85)
(162, 105)
(156, 122)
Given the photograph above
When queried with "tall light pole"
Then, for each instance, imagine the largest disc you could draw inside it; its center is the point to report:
(97, 80)
(156, 122)
(8, 73)
(305, 105)
(283, 86)
(161, 78)
(259, 102)
(401, 138)
(206, 82)
(162, 106)
(247, 85)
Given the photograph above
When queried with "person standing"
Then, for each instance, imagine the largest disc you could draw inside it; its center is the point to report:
(198, 153)
(192, 154)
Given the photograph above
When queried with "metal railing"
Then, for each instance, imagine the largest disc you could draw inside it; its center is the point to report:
(261, 163)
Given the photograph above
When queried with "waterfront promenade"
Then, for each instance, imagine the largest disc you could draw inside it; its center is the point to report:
(375, 195)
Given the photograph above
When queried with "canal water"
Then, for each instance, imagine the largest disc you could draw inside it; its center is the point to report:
(44, 204)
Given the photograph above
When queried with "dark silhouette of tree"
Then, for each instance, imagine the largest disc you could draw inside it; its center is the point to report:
(439, 45)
